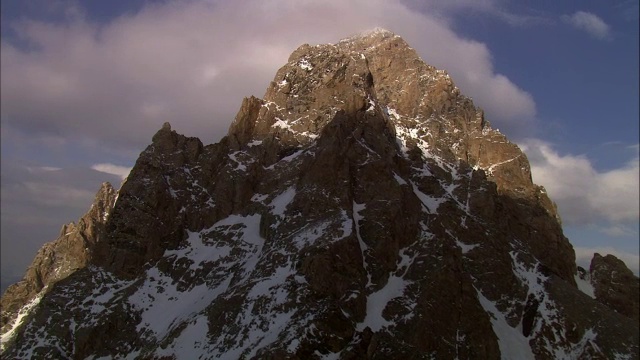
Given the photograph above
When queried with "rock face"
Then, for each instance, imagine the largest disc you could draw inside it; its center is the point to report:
(615, 285)
(364, 209)
(60, 258)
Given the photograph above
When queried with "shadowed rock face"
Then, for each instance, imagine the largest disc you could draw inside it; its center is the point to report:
(615, 285)
(363, 209)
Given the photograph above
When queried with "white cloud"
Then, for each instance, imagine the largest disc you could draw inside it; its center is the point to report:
(191, 63)
(590, 23)
(121, 171)
(583, 194)
(84, 86)
(585, 254)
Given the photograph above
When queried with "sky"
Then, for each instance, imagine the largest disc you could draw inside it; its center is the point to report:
(84, 85)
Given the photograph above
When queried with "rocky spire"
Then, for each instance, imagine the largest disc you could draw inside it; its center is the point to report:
(615, 285)
(56, 260)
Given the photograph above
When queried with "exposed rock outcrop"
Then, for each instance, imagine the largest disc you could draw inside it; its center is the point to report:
(615, 285)
(72, 250)
(363, 209)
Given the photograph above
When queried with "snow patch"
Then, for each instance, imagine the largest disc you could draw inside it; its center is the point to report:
(357, 218)
(304, 64)
(393, 112)
(292, 156)
(281, 124)
(466, 248)
(430, 203)
(347, 224)
(378, 301)
(273, 286)
(198, 252)
(513, 345)
(22, 314)
(309, 234)
(399, 179)
(164, 307)
(279, 203)
(191, 343)
(585, 285)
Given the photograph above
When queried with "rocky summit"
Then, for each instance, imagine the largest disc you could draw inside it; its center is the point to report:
(363, 209)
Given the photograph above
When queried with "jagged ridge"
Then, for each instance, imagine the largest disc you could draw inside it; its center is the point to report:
(363, 209)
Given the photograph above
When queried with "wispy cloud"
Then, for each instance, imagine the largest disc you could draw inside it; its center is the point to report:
(590, 23)
(121, 171)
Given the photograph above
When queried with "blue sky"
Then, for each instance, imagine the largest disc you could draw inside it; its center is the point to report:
(85, 84)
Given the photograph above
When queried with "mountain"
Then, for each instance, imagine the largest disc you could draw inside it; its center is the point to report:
(364, 209)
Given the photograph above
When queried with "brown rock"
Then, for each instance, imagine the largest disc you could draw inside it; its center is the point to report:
(364, 209)
(56, 260)
(615, 285)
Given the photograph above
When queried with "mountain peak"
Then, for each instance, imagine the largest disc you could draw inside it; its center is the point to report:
(363, 208)
(378, 73)
(377, 32)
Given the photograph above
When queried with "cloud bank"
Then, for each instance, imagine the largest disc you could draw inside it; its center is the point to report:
(583, 194)
(191, 63)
